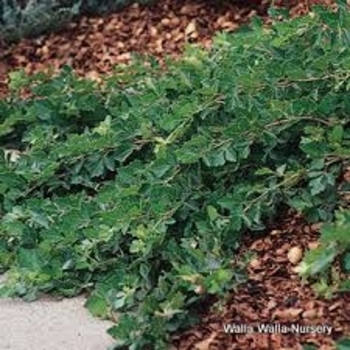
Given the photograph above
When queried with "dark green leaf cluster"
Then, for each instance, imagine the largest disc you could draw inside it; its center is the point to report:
(93, 7)
(34, 17)
(30, 18)
(139, 190)
(335, 247)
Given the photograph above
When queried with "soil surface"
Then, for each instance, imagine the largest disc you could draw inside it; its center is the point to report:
(274, 294)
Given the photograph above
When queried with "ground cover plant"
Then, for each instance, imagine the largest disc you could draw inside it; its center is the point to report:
(139, 190)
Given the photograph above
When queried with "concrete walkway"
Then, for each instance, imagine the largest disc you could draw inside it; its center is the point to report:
(51, 325)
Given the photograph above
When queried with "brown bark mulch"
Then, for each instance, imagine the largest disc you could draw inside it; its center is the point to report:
(274, 294)
(92, 46)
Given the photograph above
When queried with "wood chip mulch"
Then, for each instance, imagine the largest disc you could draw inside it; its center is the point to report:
(92, 46)
(274, 294)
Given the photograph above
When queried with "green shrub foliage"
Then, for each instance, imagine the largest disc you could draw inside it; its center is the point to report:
(30, 18)
(139, 190)
(93, 7)
(34, 17)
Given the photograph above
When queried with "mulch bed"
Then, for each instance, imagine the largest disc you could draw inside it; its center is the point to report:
(92, 46)
(274, 294)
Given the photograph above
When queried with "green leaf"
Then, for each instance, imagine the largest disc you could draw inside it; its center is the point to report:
(212, 213)
(40, 219)
(215, 160)
(346, 262)
(97, 305)
(281, 169)
(230, 154)
(343, 344)
(264, 171)
(18, 80)
(316, 261)
(336, 134)
(317, 185)
(30, 259)
(338, 232)
(109, 162)
(309, 347)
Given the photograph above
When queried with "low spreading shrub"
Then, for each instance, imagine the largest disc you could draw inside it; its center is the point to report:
(139, 190)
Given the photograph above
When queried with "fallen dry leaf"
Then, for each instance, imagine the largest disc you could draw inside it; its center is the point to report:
(287, 314)
(191, 28)
(309, 314)
(255, 264)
